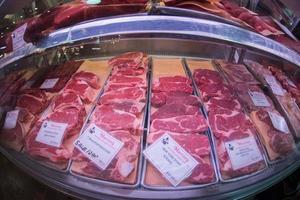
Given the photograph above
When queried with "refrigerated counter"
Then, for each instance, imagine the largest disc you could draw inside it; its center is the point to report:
(171, 47)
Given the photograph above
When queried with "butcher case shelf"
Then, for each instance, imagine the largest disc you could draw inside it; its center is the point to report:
(169, 36)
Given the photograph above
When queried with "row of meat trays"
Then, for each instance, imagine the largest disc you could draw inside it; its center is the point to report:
(175, 118)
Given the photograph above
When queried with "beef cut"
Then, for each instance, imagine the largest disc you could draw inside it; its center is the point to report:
(74, 118)
(127, 60)
(35, 101)
(122, 168)
(229, 103)
(111, 119)
(68, 99)
(180, 124)
(89, 77)
(81, 88)
(130, 106)
(14, 138)
(278, 144)
(198, 146)
(206, 76)
(237, 73)
(173, 110)
(127, 93)
(161, 98)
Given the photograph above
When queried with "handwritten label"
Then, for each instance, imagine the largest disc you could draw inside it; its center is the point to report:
(49, 83)
(259, 99)
(170, 159)
(276, 88)
(11, 119)
(278, 122)
(51, 133)
(98, 145)
(18, 37)
(243, 152)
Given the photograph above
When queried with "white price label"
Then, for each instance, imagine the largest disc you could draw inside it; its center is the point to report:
(236, 56)
(170, 159)
(243, 152)
(49, 83)
(276, 88)
(259, 99)
(278, 122)
(11, 119)
(51, 133)
(18, 37)
(98, 145)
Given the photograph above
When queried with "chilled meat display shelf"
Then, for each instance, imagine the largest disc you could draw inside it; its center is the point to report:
(163, 36)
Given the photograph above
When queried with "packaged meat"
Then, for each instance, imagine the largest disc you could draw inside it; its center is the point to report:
(119, 114)
(122, 169)
(231, 128)
(13, 135)
(66, 113)
(175, 111)
(198, 146)
(277, 143)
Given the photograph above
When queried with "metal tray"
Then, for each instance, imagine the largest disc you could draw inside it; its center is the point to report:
(277, 105)
(145, 162)
(213, 139)
(143, 124)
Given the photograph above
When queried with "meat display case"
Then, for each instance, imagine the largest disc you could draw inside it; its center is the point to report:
(159, 36)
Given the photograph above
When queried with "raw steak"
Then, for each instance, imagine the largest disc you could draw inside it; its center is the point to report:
(227, 171)
(172, 87)
(181, 79)
(74, 118)
(46, 152)
(128, 93)
(160, 98)
(243, 90)
(229, 103)
(224, 122)
(215, 90)
(127, 60)
(206, 76)
(129, 80)
(173, 110)
(180, 124)
(237, 73)
(196, 145)
(68, 99)
(122, 167)
(111, 119)
(89, 77)
(81, 88)
(130, 106)
(277, 143)
(14, 138)
(35, 101)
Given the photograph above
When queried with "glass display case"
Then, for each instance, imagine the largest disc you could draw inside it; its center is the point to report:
(88, 109)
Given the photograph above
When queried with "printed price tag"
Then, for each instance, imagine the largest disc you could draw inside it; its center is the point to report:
(51, 133)
(49, 83)
(18, 37)
(276, 88)
(278, 122)
(259, 99)
(170, 159)
(11, 119)
(98, 145)
(243, 152)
